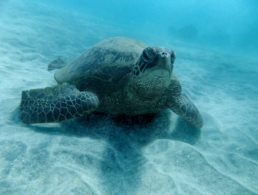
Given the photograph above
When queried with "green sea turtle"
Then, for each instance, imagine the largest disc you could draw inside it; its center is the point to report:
(118, 75)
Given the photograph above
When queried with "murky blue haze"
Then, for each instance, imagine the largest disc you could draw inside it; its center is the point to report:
(216, 43)
(224, 24)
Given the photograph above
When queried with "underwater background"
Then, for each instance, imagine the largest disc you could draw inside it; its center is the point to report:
(216, 43)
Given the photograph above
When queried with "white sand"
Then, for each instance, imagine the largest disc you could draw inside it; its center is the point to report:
(105, 155)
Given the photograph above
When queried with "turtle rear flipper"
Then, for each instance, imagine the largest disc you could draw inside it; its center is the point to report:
(58, 63)
(56, 104)
(182, 106)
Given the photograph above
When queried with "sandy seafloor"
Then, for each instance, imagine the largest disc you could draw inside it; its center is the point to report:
(110, 155)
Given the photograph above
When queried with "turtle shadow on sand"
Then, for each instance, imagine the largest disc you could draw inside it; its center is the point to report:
(125, 137)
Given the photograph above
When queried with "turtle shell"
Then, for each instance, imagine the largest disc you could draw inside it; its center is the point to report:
(104, 67)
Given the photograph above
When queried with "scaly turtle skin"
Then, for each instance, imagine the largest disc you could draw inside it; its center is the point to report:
(118, 75)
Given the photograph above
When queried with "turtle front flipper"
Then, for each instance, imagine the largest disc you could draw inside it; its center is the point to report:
(56, 104)
(182, 106)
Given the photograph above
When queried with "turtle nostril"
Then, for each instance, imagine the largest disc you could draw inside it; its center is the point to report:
(164, 53)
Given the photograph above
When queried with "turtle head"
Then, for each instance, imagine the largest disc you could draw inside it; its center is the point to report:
(153, 70)
(156, 61)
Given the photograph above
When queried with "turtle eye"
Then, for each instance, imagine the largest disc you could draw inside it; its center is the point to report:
(148, 53)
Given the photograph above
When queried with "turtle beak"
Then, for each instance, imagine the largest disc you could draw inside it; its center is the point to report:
(164, 61)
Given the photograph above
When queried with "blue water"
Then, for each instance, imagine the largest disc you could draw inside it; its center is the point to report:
(230, 25)
(216, 42)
